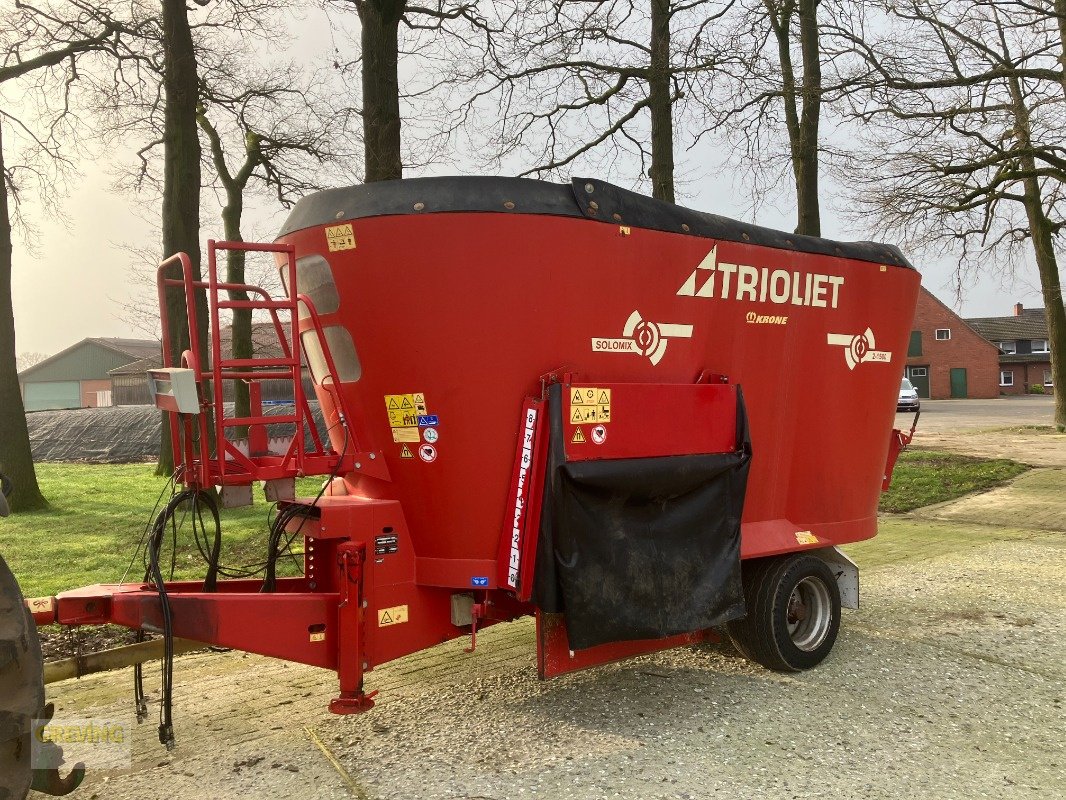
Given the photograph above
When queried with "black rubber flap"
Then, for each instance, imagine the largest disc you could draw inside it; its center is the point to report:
(642, 548)
(606, 202)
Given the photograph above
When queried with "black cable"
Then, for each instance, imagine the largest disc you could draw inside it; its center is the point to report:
(155, 543)
(287, 514)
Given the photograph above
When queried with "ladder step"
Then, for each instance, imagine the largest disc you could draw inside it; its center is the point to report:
(237, 375)
(286, 305)
(258, 362)
(233, 422)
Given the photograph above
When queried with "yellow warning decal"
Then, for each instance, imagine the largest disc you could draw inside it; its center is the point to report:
(406, 452)
(589, 405)
(806, 537)
(397, 615)
(580, 415)
(403, 410)
(579, 436)
(580, 396)
(405, 435)
(319, 636)
(340, 237)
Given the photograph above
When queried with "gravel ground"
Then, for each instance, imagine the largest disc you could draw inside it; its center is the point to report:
(936, 689)
(948, 683)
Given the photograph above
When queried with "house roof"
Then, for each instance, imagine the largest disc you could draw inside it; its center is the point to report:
(134, 348)
(1030, 324)
(1025, 358)
(139, 366)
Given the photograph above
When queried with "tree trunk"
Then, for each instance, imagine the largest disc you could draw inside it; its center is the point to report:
(241, 333)
(660, 104)
(181, 184)
(380, 20)
(1040, 230)
(1051, 288)
(15, 459)
(805, 151)
(802, 125)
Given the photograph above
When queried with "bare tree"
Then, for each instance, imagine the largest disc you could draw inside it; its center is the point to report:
(287, 130)
(600, 83)
(964, 146)
(40, 50)
(381, 47)
(268, 128)
(26, 360)
(767, 96)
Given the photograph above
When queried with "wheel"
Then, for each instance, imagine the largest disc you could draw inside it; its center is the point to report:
(21, 687)
(793, 612)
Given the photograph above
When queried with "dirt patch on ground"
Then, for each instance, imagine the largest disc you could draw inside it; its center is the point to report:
(1035, 447)
(58, 641)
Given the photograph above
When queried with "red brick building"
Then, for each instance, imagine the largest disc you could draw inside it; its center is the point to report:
(1025, 354)
(948, 358)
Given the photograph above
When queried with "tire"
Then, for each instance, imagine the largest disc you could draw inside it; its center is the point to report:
(793, 612)
(21, 687)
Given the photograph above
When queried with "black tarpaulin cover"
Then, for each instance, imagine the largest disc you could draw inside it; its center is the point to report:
(641, 548)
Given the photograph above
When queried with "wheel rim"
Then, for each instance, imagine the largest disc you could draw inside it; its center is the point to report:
(809, 614)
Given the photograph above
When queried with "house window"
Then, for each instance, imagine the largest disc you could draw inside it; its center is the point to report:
(1006, 378)
(915, 346)
(1040, 346)
(918, 372)
(943, 334)
(1047, 378)
(1008, 347)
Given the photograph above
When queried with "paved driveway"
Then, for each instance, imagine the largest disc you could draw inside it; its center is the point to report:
(952, 415)
(1019, 428)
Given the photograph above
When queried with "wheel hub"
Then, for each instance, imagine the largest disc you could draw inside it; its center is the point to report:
(809, 614)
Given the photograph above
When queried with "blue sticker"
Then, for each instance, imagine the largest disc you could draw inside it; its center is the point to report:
(427, 420)
(479, 581)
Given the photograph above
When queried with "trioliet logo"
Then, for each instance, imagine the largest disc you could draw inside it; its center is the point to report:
(724, 281)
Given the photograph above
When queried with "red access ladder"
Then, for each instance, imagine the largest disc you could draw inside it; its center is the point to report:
(205, 460)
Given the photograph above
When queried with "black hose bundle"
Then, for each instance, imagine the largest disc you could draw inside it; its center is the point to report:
(167, 519)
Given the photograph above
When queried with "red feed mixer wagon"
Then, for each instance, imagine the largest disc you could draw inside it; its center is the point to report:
(637, 422)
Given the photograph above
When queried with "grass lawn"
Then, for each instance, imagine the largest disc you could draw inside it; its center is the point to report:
(97, 518)
(924, 477)
(99, 513)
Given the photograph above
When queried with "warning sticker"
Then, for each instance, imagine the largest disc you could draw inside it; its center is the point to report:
(599, 434)
(397, 615)
(318, 636)
(406, 452)
(806, 537)
(404, 410)
(340, 237)
(589, 405)
(579, 436)
(405, 435)
(580, 415)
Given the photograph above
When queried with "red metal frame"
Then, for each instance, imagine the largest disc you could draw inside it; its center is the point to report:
(194, 462)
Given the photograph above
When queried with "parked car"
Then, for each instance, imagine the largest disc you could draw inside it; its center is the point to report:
(908, 397)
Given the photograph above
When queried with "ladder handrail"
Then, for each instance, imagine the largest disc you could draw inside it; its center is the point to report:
(192, 455)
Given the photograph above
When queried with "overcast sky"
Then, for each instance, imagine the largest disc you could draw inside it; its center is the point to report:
(74, 282)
